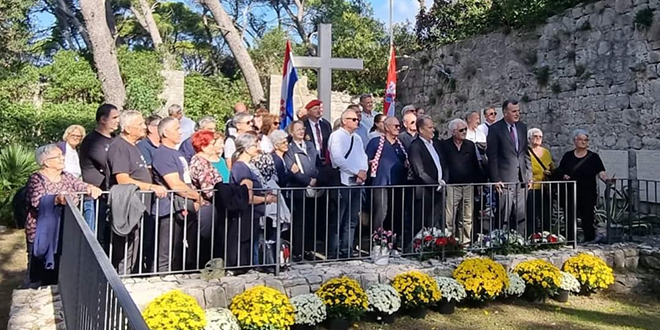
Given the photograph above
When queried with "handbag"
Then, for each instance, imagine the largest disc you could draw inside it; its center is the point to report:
(545, 177)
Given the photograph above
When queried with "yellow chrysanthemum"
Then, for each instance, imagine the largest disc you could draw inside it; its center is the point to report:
(591, 271)
(344, 298)
(416, 289)
(539, 275)
(262, 307)
(176, 311)
(482, 278)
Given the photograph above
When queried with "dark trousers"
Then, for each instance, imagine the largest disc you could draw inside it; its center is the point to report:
(37, 274)
(125, 252)
(428, 212)
(512, 207)
(242, 233)
(539, 210)
(303, 234)
(171, 236)
(341, 230)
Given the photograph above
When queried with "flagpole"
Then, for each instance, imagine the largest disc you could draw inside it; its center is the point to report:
(391, 22)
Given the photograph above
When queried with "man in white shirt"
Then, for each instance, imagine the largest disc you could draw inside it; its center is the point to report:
(473, 134)
(348, 156)
(368, 113)
(187, 124)
(490, 114)
(430, 175)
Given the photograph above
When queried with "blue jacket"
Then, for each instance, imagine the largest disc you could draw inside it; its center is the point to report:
(46, 239)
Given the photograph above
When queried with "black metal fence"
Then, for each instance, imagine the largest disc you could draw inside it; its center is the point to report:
(340, 223)
(628, 210)
(93, 296)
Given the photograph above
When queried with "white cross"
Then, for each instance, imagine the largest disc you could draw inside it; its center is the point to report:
(324, 64)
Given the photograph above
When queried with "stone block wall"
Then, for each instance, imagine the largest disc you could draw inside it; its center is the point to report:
(590, 67)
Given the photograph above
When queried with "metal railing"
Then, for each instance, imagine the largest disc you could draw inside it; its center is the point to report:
(337, 223)
(93, 296)
(627, 210)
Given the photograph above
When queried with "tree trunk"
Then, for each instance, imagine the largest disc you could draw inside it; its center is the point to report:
(298, 23)
(104, 52)
(144, 16)
(233, 39)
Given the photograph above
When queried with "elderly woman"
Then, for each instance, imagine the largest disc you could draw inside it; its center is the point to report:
(281, 146)
(71, 139)
(583, 166)
(301, 159)
(245, 228)
(539, 200)
(269, 124)
(379, 128)
(48, 185)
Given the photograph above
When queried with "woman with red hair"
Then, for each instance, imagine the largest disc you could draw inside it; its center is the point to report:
(207, 167)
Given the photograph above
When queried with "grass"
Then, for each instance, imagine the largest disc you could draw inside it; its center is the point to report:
(608, 312)
(12, 269)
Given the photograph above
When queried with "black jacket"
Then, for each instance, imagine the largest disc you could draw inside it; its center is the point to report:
(424, 170)
(326, 130)
(505, 163)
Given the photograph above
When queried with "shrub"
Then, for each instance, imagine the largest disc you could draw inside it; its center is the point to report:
(592, 272)
(16, 165)
(262, 308)
(516, 286)
(309, 309)
(174, 310)
(569, 283)
(644, 18)
(416, 289)
(343, 298)
(383, 298)
(541, 277)
(450, 289)
(482, 278)
(220, 319)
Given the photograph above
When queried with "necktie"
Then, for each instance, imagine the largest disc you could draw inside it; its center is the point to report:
(513, 136)
(320, 137)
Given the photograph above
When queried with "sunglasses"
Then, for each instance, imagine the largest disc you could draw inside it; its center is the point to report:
(276, 122)
(353, 119)
(492, 114)
(462, 130)
(397, 126)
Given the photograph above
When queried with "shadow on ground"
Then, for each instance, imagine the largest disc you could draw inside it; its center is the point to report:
(12, 269)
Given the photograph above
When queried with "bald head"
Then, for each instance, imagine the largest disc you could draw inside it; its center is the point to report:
(392, 127)
(409, 122)
(240, 108)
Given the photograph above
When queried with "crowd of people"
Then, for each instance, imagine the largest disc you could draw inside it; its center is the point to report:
(178, 193)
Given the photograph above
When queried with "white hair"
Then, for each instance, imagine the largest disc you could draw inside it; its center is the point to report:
(579, 132)
(41, 154)
(531, 132)
(174, 109)
(277, 136)
(453, 124)
(205, 121)
(126, 118)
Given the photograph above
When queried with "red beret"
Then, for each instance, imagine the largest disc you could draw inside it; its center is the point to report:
(312, 103)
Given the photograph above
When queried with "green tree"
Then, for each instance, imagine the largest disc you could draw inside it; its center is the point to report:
(214, 95)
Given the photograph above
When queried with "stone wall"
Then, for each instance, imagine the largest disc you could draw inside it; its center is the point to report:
(590, 67)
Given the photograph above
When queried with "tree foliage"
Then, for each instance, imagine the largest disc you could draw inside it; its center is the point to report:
(214, 95)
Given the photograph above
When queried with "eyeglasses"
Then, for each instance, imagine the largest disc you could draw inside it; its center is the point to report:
(276, 122)
(492, 114)
(56, 157)
(462, 130)
(397, 126)
(353, 119)
(537, 136)
(77, 136)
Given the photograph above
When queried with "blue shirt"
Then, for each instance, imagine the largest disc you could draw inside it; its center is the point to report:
(363, 134)
(167, 160)
(147, 149)
(391, 169)
(186, 149)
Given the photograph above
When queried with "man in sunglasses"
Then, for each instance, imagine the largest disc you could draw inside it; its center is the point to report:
(490, 116)
(463, 168)
(410, 132)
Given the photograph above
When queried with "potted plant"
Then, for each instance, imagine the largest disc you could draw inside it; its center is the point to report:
(502, 242)
(451, 292)
(546, 237)
(221, 319)
(483, 279)
(344, 300)
(261, 308)
(174, 310)
(568, 284)
(592, 272)
(542, 279)
(309, 311)
(384, 302)
(418, 291)
(383, 242)
(516, 286)
(431, 242)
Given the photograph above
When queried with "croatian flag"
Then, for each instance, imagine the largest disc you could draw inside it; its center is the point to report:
(289, 79)
(390, 87)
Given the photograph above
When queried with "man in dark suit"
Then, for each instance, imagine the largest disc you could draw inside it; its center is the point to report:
(317, 129)
(429, 168)
(509, 167)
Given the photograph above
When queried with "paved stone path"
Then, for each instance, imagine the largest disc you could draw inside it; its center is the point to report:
(36, 309)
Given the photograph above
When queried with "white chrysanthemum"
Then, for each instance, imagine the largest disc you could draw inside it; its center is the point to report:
(450, 288)
(569, 282)
(220, 319)
(383, 298)
(309, 309)
(516, 286)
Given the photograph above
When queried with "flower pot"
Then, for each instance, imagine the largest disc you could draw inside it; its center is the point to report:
(418, 312)
(534, 297)
(380, 255)
(561, 296)
(445, 307)
(338, 324)
(303, 327)
(383, 318)
(584, 291)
